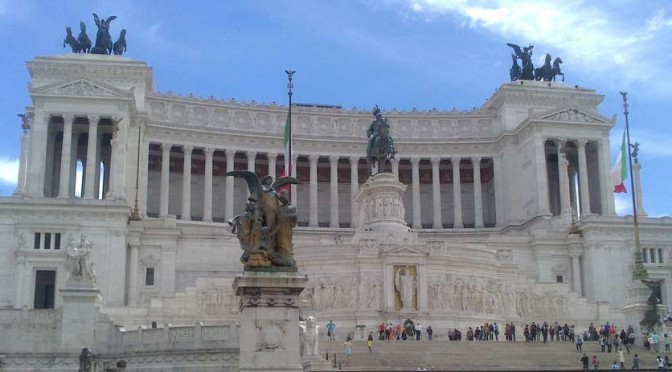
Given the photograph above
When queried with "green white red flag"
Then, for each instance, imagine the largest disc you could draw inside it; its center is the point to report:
(619, 172)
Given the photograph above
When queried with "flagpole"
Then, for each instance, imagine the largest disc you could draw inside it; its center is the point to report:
(639, 271)
(290, 86)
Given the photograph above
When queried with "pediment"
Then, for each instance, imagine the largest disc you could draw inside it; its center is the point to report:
(81, 88)
(573, 114)
(407, 251)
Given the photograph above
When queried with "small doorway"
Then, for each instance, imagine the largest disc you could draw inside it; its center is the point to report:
(45, 289)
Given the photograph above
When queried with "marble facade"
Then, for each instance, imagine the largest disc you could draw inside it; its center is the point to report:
(480, 215)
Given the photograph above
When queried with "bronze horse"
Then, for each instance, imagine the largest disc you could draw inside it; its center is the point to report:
(70, 40)
(381, 150)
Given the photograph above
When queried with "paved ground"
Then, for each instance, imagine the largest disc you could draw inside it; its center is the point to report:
(484, 355)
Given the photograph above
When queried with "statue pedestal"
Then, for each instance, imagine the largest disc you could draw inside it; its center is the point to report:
(269, 320)
(79, 315)
(636, 306)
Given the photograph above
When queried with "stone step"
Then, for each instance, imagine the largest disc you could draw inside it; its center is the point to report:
(475, 355)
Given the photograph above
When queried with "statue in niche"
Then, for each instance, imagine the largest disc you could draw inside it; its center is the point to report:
(79, 261)
(264, 228)
(405, 282)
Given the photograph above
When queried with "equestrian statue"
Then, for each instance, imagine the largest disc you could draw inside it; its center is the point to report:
(380, 147)
(264, 228)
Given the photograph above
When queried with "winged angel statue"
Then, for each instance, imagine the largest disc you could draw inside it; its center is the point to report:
(264, 228)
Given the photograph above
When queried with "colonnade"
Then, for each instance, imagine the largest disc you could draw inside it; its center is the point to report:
(313, 203)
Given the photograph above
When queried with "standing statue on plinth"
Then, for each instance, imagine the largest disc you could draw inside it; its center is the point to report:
(264, 228)
(79, 262)
(380, 147)
(405, 283)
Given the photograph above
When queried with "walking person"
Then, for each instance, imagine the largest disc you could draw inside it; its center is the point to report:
(369, 342)
(331, 326)
(635, 363)
(596, 363)
(579, 343)
(348, 349)
(584, 361)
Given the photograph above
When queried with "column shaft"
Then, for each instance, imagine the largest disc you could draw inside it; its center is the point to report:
(165, 178)
(23, 163)
(272, 158)
(584, 194)
(186, 183)
(207, 185)
(576, 274)
(457, 193)
(436, 194)
(66, 151)
(333, 183)
(142, 174)
(228, 196)
(395, 167)
(354, 187)
(542, 176)
(499, 190)
(415, 179)
(313, 221)
(636, 168)
(478, 194)
(606, 191)
(91, 154)
(133, 277)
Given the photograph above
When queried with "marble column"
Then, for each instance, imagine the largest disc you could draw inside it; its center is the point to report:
(395, 167)
(91, 155)
(499, 190)
(23, 162)
(478, 194)
(606, 188)
(186, 183)
(354, 187)
(251, 161)
(143, 174)
(134, 293)
(636, 168)
(165, 178)
(333, 196)
(542, 177)
(457, 193)
(114, 172)
(584, 194)
(415, 180)
(41, 160)
(436, 193)
(207, 185)
(313, 221)
(292, 189)
(576, 274)
(563, 177)
(272, 158)
(228, 194)
(66, 152)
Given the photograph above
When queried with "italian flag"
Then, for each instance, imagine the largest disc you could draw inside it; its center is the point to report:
(620, 171)
(288, 150)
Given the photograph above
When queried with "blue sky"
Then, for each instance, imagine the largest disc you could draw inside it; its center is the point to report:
(401, 54)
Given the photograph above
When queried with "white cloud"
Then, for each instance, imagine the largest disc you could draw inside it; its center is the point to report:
(601, 41)
(9, 170)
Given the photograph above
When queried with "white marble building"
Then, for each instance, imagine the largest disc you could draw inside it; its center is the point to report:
(490, 197)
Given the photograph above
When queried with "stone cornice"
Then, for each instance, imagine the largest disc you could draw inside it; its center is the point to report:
(542, 94)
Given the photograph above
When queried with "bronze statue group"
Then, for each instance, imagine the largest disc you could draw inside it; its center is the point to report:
(103, 45)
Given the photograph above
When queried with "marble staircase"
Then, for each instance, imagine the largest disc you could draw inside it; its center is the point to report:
(475, 356)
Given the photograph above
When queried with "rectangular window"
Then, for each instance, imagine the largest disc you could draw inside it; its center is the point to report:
(644, 258)
(660, 255)
(36, 245)
(47, 240)
(45, 289)
(558, 279)
(652, 255)
(149, 276)
(57, 241)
